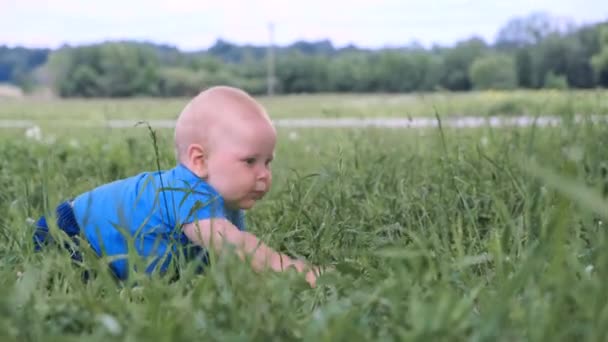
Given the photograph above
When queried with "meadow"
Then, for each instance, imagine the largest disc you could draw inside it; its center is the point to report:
(491, 234)
(482, 103)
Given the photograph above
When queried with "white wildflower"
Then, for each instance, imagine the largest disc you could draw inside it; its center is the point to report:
(484, 141)
(293, 135)
(74, 143)
(589, 269)
(34, 133)
(110, 323)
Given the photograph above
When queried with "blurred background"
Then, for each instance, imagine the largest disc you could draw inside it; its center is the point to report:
(71, 48)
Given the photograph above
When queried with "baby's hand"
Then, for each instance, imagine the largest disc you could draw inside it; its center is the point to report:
(311, 278)
(312, 272)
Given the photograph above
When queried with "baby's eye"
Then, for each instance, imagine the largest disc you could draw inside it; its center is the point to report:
(249, 161)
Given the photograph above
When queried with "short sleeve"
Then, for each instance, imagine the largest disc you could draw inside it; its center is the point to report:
(198, 202)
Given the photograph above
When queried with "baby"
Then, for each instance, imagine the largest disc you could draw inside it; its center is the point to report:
(225, 144)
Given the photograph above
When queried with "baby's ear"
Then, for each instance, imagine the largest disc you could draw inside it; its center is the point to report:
(198, 160)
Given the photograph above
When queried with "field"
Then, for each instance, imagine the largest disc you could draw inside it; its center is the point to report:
(490, 103)
(492, 234)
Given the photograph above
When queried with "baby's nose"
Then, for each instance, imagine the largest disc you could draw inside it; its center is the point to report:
(264, 174)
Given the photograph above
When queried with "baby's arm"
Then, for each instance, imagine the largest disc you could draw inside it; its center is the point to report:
(215, 233)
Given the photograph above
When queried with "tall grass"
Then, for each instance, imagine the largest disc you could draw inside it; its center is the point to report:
(483, 235)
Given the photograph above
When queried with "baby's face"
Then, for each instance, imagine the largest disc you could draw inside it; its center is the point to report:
(239, 164)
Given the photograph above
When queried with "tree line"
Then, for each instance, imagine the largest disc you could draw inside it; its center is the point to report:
(536, 51)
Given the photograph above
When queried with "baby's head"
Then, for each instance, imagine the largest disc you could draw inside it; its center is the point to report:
(225, 137)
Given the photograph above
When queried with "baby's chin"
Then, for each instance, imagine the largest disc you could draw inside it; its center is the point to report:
(244, 204)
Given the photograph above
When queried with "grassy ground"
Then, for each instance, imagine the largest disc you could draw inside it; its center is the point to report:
(482, 235)
(331, 106)
(435, 237)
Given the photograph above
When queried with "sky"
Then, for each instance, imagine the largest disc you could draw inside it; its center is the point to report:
(197, 24)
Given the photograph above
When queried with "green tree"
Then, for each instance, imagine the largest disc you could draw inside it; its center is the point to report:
(84, 81)
(543, 51)
(127, 70)
(433, 68)
(176, 81)
(494, 71)
(553, 81)
(298, 73)
(395, 71)
(112, 69)
(457, 61)
(349, 72)
(17, 63)
(563, 55)
(524, 68)
(599, 61)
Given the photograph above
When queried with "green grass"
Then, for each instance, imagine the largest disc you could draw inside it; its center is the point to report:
(481, 235)
(327, 106)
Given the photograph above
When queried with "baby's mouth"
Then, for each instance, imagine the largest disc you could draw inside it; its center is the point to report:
(258, 195)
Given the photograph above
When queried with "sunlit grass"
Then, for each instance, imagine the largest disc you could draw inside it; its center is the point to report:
(543, 102)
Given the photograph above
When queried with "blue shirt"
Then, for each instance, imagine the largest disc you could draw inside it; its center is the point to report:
(146, 212)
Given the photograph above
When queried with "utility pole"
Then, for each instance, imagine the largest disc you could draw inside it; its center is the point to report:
(270, 59)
